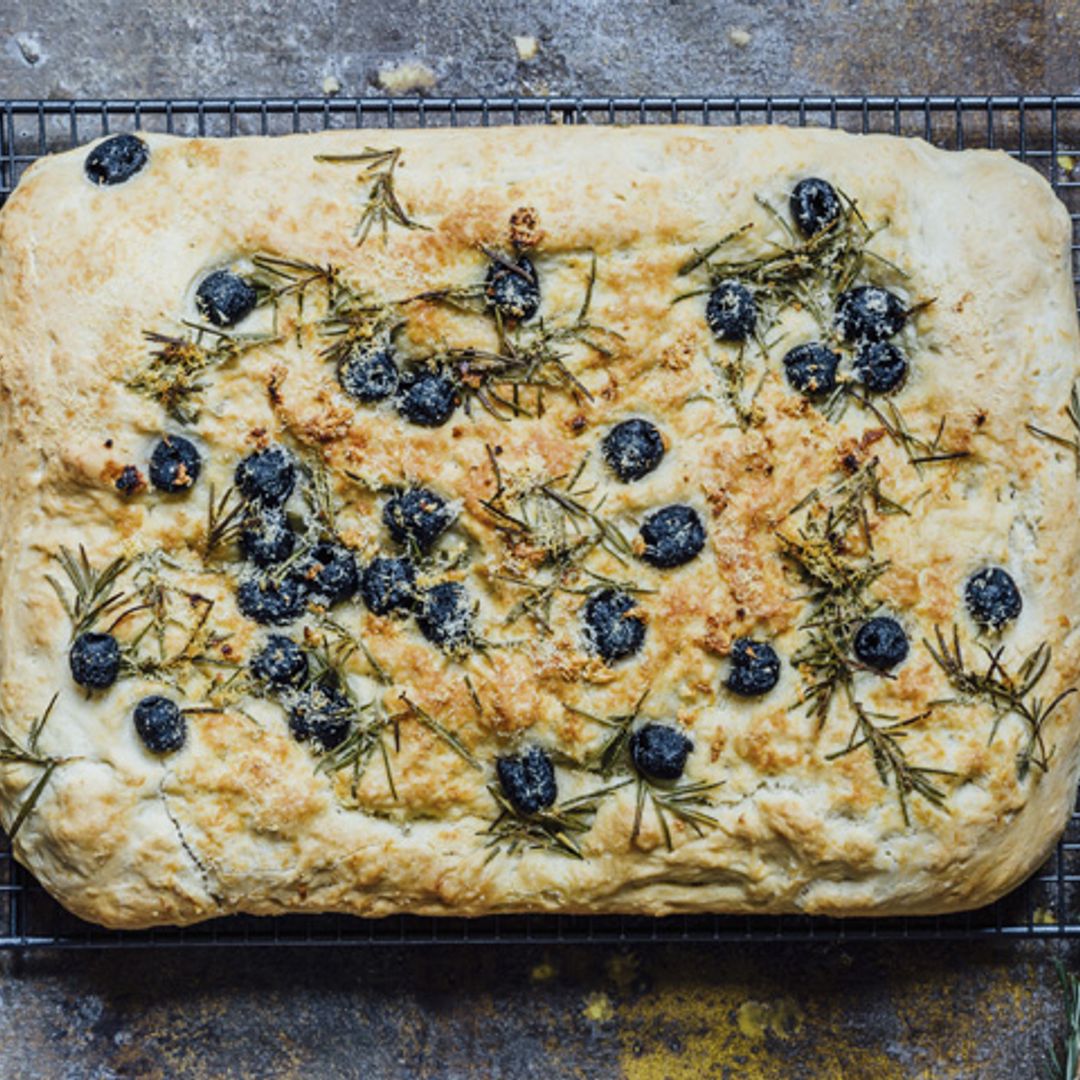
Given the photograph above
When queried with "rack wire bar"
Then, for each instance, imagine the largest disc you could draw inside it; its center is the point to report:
(1042, 131)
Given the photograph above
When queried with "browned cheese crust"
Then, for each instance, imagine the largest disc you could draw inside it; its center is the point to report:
(789, 802)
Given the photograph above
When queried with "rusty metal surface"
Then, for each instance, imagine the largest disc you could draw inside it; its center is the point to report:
(115, 48)
(642, 1013)
(945, 1010)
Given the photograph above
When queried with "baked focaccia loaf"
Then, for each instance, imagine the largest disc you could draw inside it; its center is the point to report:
(581, 520)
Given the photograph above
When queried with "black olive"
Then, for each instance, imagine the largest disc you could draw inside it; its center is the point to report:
(266, 538)
(811, 368)
(992, 597)
(323, 714)
(116, 160)
(633, 449)
(426, 397)
(129, 480)
(673, 536)
(528, 780)
(513, 289)
(267, 476)
(755, 668)
(280, 662)
(869, 313)
(388, 586)
(329, 573)
(659, 751)
(224, 298)
(881, 643)
(814, 205)
(881, 366)
(369, 375)
(446, 615)
(95, 660)
(270, 602)
(417, 516)
(731, 311)
(174, 464)
(160, 724)
(611, 631)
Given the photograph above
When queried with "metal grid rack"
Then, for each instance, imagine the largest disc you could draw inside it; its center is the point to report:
(1044, 132)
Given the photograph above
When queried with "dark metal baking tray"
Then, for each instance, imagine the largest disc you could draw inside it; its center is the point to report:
(1042, 131)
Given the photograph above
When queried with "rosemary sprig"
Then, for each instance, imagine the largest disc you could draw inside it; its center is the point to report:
(173, 373)
(360, 746)
(199, 651)
(1067, 1067)
(839, 602)
(382, 206)
(681, 801)
(832, 259)
(556, 829)
(318, 493)
(612, 754)
(893, 768)
(353, 323)
(847, 505)
(1006, 692)
(495, 379)
(920, 451)
(293, 277)
(224, 521)
(528, 356)
(552, 517)
(552, 514)
(732, 372)
(1072, 411)
(436, 728)
(370, 719)
(278, 278)
(833, 553)
(12, 753)
(93, 593)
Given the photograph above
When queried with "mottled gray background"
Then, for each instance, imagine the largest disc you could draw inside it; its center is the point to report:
(134, 48)
(875, 1011)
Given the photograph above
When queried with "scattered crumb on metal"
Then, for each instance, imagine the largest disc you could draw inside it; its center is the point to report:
(739, 37)
(781, 1018)
(406, 77)
(331, 85)
(29, 49)
(527, 47)
(598, 1008)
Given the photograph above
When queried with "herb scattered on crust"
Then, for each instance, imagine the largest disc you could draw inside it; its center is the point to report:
(383, 206)
(1008, 692)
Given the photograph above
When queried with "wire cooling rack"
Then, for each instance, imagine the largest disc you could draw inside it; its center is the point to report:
(1044, 132)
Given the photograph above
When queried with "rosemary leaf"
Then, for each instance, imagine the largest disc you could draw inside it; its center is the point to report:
(93, 592)
(31, 800)
(442, 732)
(383, 206)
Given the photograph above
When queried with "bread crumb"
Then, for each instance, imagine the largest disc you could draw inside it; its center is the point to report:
(739, 37)
(1067, 162)
(331, 85)
(525, 228)
(406, 77)
(598, 1008)
(527, 47)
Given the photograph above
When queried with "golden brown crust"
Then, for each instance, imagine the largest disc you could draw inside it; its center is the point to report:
(241, 819)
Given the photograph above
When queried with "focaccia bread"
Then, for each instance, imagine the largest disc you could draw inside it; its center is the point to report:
(577, 520)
